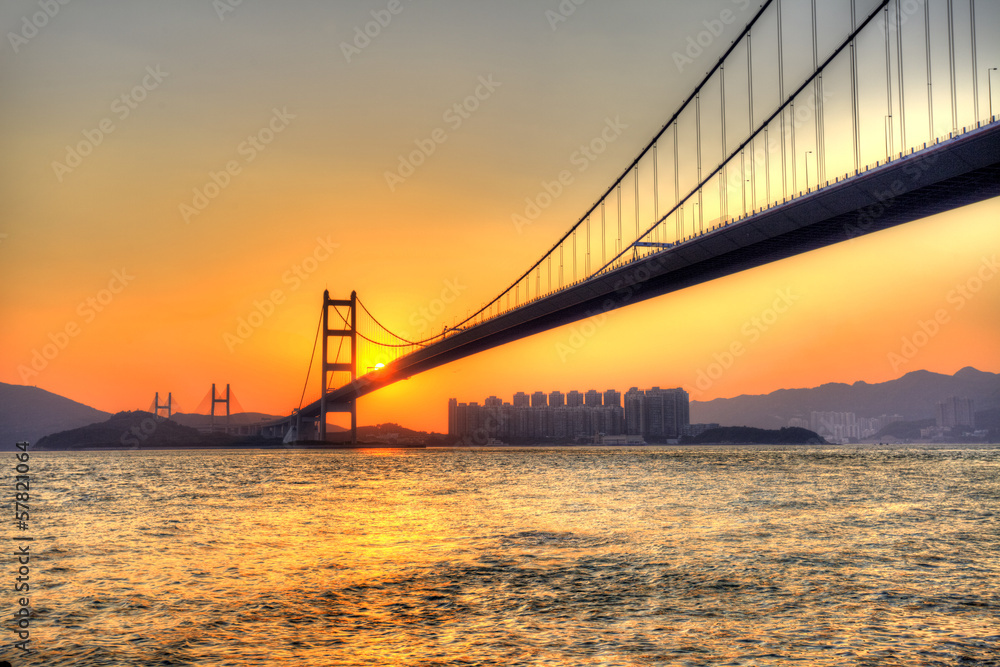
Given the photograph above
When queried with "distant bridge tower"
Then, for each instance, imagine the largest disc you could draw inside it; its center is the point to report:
(220, 400)
(167, 406)
(346, 328)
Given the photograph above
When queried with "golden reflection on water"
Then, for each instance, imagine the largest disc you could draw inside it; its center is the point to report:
(603, 557)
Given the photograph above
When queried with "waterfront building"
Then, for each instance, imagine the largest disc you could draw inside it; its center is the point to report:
(956, 412)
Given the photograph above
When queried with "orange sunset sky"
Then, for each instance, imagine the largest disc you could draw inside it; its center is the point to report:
(299, 126)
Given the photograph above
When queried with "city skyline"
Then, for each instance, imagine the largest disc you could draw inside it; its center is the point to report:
(176, 204)
(659, 414)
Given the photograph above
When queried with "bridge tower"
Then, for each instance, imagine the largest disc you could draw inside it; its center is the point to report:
(220, 400)
(346, 328)
(167, 406)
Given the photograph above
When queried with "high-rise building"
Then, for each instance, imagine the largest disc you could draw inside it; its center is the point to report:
(633, 411)
(453, 417)
(556, 399)
(956, 412)
(652, 414)
(522, 400)
(592, 399)
(664, 413)
(539, 399)
(574, 399)
(612, 398)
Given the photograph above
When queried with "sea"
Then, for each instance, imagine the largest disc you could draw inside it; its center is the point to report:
(761, 555)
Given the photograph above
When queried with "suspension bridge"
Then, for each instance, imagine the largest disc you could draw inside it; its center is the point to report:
(794, 140)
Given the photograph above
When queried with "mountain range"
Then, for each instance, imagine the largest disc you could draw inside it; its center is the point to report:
(914, 396)
(29, 413)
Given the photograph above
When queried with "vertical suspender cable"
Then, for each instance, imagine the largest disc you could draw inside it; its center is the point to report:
(743, 180)
(781, 100)
(562, 263)
(975, 74)
(818, 103)
(890, 132)
(574, 261)
(767, 168)
(753, 157)
(697, 132)
(795, 166)
(604, 237)
(930, 88)
(951, 60)
(637, 203)
(723, 181)
(899, 66)
(677, 186)
(618, 247)
(656, 193)
(854, 90)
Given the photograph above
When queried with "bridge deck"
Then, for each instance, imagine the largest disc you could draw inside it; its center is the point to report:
(941, 177)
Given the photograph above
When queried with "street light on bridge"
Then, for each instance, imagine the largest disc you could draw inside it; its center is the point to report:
(989, 81)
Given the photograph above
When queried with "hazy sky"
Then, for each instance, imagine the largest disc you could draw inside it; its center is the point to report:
(171, 168)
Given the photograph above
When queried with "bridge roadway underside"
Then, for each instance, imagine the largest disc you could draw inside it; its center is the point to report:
(955, 173)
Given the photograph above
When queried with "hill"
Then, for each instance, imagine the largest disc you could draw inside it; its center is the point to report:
(744, 435)
(132, 430)
(914, 396)
(28, 413)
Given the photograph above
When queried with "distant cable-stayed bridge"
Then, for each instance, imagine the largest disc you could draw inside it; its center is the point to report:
(796, 139)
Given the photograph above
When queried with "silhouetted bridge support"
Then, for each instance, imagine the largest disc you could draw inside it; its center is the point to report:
(168, 406)
(224, 401)
(345, 329)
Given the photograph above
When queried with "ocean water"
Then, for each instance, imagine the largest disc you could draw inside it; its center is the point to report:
(618, 556)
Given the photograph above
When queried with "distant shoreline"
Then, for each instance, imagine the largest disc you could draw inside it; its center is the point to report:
(317, 446)
(264, 446)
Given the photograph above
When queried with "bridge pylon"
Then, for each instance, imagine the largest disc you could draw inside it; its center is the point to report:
(167, 406)
(346, 328)
(220, 400)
